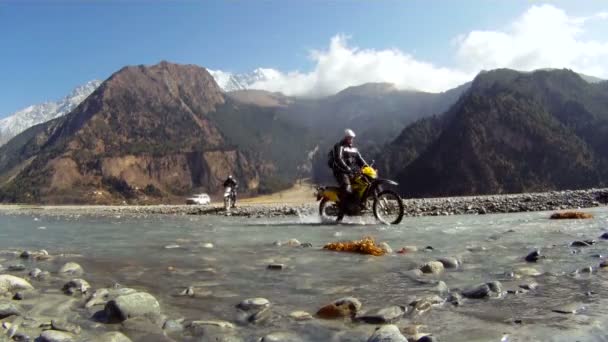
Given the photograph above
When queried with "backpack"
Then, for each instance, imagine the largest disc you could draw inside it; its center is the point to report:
(331, 162)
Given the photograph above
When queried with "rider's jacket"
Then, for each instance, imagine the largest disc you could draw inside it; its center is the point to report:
(347, 157)
(230, 182)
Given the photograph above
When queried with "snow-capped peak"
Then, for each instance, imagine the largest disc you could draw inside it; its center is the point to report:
(229, 81)
(39, 113)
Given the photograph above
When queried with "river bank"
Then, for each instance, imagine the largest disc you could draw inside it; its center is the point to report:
(478, 205)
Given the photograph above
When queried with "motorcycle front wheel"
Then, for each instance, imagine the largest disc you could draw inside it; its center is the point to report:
(330, 212)
(388, 207)
(227, 203)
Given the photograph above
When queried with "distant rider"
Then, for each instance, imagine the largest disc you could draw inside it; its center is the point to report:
(233, 184)
(346, 161)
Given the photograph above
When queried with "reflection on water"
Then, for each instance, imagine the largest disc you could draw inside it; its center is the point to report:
(131, 251)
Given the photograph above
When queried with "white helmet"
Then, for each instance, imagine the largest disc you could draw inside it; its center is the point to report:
(349, 133)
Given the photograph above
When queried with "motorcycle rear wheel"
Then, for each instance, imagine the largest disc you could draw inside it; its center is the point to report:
(330, 212)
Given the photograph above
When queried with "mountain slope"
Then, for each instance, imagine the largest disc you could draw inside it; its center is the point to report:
(511, 132)
(145, 132)
(36, 114)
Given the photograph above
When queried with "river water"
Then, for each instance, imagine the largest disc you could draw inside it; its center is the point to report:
(165, 254)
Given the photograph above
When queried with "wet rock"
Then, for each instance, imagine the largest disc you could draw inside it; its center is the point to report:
(387, 315)
(55, 336)
(441, 288)
(300, 315)
(62, 325)
(408, 249)
(281, 337)
(387, 333)
(306, 245)
(74, 286)
(386, 248)
(219, 324)
(426, 303)
(428, 338)
(25, 294)
(114, 336)
(527, 272)
(604, 264)
(187, 292)
(139, 304)
(10, 283)
(173, 325)
(449, 262)
(483, 290)
(585, 243)
(587, 269)
(276, 267)
(534, 256)
(8, 309)
(16, 268)
(35, 273)
(529, 286)
(573, 308)
(71, 268)
(341, 308)
(604, 236)
(432, 267)
(254, 304)
(293, 243)
(140, 328)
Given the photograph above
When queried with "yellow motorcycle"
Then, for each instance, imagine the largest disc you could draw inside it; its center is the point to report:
(368, 195)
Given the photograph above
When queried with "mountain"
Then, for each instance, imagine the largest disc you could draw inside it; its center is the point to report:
(36, 114)
(231, 82)
(151, 132)
(510, 132)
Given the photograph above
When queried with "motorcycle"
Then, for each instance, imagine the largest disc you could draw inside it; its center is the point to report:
(229, 197)
(368, 196)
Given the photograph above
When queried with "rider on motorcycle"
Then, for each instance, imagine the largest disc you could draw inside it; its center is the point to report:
(233, 184)
(346, 161)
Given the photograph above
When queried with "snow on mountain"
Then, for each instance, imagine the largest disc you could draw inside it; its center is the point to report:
(39, 113)
(252, 80)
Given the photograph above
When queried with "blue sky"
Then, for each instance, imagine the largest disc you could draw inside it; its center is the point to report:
(49, 47)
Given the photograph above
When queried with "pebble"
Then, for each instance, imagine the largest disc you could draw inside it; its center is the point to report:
(386, 248)
(534, 256)
(300, 315)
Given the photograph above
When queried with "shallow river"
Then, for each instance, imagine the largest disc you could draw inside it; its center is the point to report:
(165, 254)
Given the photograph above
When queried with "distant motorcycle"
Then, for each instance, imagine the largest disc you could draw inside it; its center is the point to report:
(386, 205)
(229, 197)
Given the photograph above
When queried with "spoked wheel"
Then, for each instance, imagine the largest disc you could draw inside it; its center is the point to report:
(329, 211)
(388, 207)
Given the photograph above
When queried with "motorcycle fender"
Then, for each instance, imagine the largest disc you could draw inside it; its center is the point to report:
(330, 194)
(387, 181)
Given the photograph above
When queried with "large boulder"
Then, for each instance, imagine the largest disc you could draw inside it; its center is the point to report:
(8, 309)
(10, 283)
(139, 304)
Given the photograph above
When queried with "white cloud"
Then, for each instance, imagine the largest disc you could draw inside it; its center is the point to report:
(542, 37)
